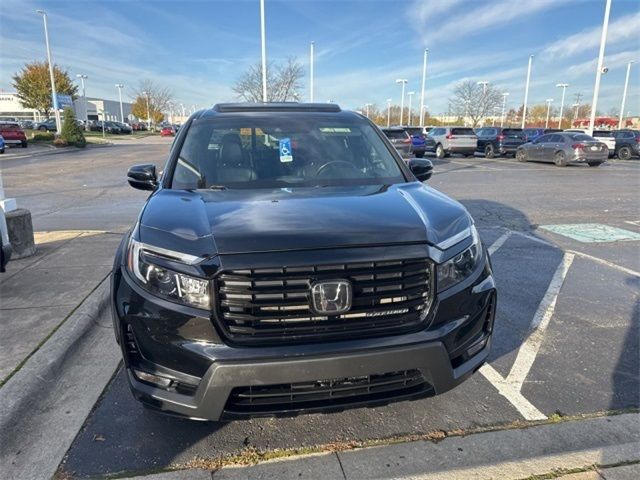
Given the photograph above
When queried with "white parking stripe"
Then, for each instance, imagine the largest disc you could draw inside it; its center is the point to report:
(508, 391)
(499, 242)
(607, 263)
(529, 349)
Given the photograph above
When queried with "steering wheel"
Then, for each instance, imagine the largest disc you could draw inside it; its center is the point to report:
(333, 164)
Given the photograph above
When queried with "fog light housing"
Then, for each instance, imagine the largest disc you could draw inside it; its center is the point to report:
(476, 347)
(162, 382)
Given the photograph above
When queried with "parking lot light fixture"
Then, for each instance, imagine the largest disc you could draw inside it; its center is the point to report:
(564, 90)
(424, 80)
(120, 86)
(549, 102)
(366, 107)
(410, 95)
(82, 78)
(54, 96)
(526, 92)
(311, 72)
(264, 52)
(403, 82)
(388, 112)
(624, 94)
(600, 70)
(504, 105)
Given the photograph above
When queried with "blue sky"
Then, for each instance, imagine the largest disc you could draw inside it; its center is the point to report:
(198, 48)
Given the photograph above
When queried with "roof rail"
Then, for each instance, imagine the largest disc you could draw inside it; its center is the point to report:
(276, 107)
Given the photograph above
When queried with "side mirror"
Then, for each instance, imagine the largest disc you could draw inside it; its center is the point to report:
(421, 168)
(143, 177)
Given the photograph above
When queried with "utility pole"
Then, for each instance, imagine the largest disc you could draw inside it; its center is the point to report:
(311, 72)
(410, 95)
(526, 92)
(120, 86)
(564, 90)
(577, 96)
(264, 53)
(600, 69)
(424, 80)
(54, 95)
(82, 78)
(549, 102)
(388, 112)
(367, 108)
(624, 94)
(146, 94)
(403, 82)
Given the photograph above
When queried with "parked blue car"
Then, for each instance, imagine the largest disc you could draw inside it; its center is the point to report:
(531, 134)
(418, 144)
(1, 144)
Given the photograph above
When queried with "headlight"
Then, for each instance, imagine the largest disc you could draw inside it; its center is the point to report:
(164, 282)
(458, 268)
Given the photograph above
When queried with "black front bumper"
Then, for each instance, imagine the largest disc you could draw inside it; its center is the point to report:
(208, 374)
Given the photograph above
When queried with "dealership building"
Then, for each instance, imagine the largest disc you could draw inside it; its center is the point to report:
(91, 108)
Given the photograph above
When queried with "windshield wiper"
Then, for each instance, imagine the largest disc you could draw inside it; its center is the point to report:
(217, 187)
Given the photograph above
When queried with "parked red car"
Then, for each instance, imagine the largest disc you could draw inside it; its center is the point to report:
(167, 132)
(13, 134)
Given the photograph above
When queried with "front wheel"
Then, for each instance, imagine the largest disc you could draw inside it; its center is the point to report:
(624, 153)
(440, 151)
(560, 159)
(521, 156)
(24, 144)
(594, 164)
(42, 129)
(1, 151)
(489, 151)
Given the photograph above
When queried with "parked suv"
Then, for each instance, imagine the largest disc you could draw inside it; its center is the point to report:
(447, 140)
(48, 125)
(13, 134)
(400, 139)
(288, 260)
(418, 135)
(494, 141)
(627, 143)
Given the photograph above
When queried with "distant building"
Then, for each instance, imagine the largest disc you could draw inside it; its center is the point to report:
(12, 109)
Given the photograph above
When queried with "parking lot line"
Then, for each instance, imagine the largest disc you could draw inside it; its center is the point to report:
(511, 393)
(529, 349)
(499, 242)
(606, 262)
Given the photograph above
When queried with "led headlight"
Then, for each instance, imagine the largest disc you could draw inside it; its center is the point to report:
(458, 268)
(164, 282)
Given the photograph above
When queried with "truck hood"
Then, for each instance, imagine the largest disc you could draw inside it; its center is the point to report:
(206, 223)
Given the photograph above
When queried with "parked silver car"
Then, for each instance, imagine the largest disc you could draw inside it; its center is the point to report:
(604, 136)
(400, 139)
(447, 140)
(563, 148)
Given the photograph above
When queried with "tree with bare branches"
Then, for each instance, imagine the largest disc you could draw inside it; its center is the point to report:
(474, 101)
(283, 82)
(157, 96)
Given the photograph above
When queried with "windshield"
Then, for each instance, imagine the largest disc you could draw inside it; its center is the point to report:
(266, 151)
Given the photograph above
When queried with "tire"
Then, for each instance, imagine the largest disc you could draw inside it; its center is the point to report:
(24, 144)
(440, 153)
(624, 153)
(489, 151)
(560, 159)
(594, 164)
(521, 156)
(419, 154)
(1, 151)
(42, 129)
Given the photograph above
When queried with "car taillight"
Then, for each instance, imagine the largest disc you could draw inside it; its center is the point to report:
(407, 140)
(578, 146)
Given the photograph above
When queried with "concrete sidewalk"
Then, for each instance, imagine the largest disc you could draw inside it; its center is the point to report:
(38, 293)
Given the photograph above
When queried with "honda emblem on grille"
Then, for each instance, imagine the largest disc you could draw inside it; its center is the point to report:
(331, 297)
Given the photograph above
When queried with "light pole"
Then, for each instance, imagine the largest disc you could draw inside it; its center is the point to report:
(424, 80)
(388, 112)
(600, 70)
(484, 84)
(51, 77)
(311, 72)
(366, 106)
(146, 94)
(526, 91)
(624, 94)
(403, 82)
(564, 90)
(575, 112)
(264, 53)
(82, 78)
(120, 86)
(183, 112)
(410, 95)
(504, 105)
(549, 102)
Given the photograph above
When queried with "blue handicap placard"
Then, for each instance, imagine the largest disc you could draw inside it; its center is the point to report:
(285, 150)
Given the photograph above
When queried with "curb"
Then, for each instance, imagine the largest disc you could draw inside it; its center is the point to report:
(46, 402)
(56, 151)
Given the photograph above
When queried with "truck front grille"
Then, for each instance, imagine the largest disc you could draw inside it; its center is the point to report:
(271, 305)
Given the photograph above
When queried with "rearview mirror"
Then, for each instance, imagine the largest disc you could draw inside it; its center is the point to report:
(143, 177)
(421, 168)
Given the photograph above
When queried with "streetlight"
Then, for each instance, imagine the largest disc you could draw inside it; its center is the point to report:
(82, 78)
(311, 72)
(366, 106)
(388, 112)
(549, 102)
(403, 82)
(484, 84)
(504, 105)
(120, 86)
(564, 90)
(424, 79)
(264, 53)
(51, 77)
(575, 112)
(600, 70)
(146, 94)
(410, 95)
(526, 91)
(624, 94)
